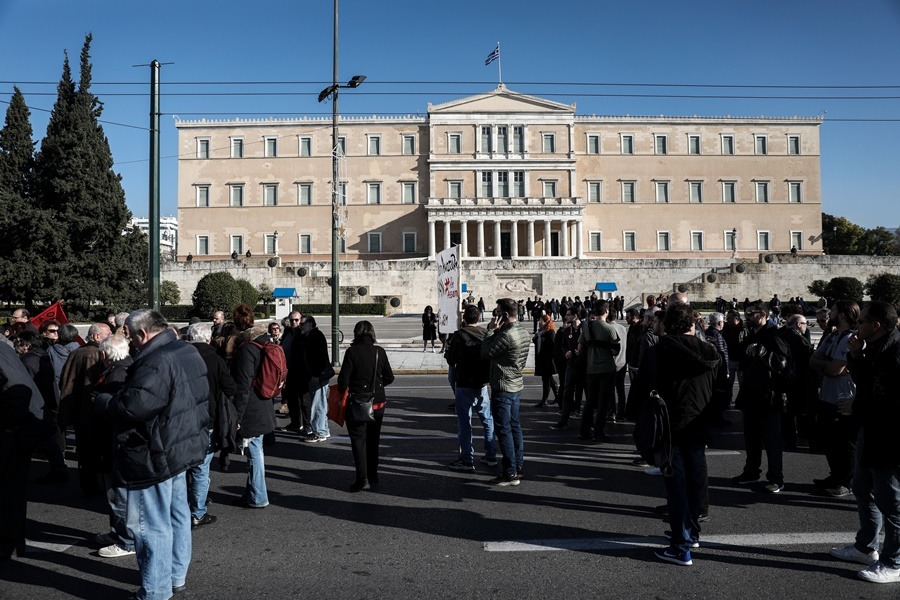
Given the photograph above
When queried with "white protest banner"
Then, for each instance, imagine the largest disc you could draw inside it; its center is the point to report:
(448, 289)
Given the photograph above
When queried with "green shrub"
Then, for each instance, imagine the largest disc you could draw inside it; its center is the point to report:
(844, 288)
(375, 308)
(884, 287)
(180, 312)
(216, 291)
(169, 293)
(249, 295)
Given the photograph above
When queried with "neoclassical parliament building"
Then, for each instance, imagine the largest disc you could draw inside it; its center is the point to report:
(502, 175)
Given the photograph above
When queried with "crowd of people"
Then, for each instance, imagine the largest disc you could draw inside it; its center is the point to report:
(150, 405)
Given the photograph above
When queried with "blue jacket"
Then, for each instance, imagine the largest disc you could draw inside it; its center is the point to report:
(161, 415)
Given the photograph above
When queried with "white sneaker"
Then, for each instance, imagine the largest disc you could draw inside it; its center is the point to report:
(114, 551)
(105, 539)
(851, 554)
(879, 573)
(653, 471)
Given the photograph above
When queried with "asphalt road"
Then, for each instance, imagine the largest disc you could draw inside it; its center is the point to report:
(581, 525)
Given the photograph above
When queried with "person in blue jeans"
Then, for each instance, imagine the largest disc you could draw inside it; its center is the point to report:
(320, 371)
(471, 373)
(506, 346)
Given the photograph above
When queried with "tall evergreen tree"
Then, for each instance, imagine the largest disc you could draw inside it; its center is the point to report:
(77, 183)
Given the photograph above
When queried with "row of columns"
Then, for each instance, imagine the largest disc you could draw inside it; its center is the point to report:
(565, 248)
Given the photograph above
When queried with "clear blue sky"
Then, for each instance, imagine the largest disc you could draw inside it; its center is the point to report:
(691, 42)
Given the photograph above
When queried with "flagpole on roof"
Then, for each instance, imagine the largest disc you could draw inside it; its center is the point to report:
(499, 68)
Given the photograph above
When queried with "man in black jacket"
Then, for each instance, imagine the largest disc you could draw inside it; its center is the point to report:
(472, 376)
(685, 371)
(160, 419)
(320, 371)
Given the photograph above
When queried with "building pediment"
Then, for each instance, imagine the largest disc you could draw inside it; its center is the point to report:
(501, 100)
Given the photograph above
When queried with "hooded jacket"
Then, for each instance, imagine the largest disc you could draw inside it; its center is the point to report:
(254, 414)
(685, 371)
(464, 352)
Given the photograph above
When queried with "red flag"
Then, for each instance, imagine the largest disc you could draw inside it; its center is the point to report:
(54, 311)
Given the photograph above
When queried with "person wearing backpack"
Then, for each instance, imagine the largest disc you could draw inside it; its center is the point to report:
(472, 376)
(255, 414)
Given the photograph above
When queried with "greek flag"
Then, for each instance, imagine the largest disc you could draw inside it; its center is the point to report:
(494, 55)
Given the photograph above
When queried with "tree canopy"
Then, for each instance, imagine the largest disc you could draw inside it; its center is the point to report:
(840, 236)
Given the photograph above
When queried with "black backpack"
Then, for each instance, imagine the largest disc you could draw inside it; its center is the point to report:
(653, 433)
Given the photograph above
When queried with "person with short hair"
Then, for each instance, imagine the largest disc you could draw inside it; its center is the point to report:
(318, 366)
(601, 344)
(544, 366)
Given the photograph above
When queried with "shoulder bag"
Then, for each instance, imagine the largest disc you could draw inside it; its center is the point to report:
(360, 404)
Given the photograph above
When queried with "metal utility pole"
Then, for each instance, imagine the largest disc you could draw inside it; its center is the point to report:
(154, 185)
(335, 208)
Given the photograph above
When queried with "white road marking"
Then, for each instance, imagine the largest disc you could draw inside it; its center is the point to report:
(32, 546)
(760, 540)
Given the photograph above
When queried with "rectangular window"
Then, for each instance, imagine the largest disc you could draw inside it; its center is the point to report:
(237, 244)
(374, 145)
(762, 192)
(728, 144)
(762, 240)
(503, 184)
(596, 240)
(628, 192)
(342, 194)
(236, 195)
(696, 192)
(502, 139)
(373, 193)
(793, 144)
(237, 147)
(796, 240)
(662, 241)
(374, 243)
(795, 196)
(593, 144)
(304, 194)
(203, 148)
(696, 241)
(486, 139)
(487, 186)
(454, 189)
(728, 196)
(271, 147)
(627, 144)
(518, 138)
(662, 192)
(761, 144)
(593, 191)
(342, 145)
(548, 145)
(409, 145)
(408, 191)
(202, 196)
(202, 245)
(454, 143)
(305, 243)
(305, 146)
(629, 241)
(270, 195)
(518, 184)
(549, 189)
(409, 241)
(730, 240)
(661, 144)
(271, 243)
(693, 144)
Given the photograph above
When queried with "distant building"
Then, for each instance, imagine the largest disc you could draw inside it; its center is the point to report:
(502, 175)
(168, 233)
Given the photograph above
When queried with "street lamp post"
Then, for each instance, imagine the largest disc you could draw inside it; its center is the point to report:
(332, 91)
(734, 241)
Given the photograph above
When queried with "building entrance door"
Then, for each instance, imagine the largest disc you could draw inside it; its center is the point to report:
(505, 244)
(554, 243)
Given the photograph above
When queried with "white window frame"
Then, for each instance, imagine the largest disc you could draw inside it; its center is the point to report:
(762, 192)
(795, 197)
(549, 185)
(633, 186)
(486, 144)
(342, 144)
(197, 195)
(451, 136)
(697, 236)
(698, 187)
(454, 184)
(405, 237)
(729, 240)
(691, 137)
(729, 184)
(502, 179)
(270, 146)
(760, 144)
(595, 198)
(411, 139)
(660, 150)
(270, 242)
(408, 192)
(664, 187)
(667, 235)
(518, 139)
(763, 234)
(237, 147)
(304, 145)
(629, 150)
(798, 236)
(270, 194)
(236, 247)
(486, 183)
(790, 138)
(548, 140)
(372, 237)
(301, 186)
(730, 138)
(201, 241)
(592, 138)
(373, 142)
(625, 236)
(203, 148)
(518, 178)
(236, 189)
(598, 246)
(373, 187)
(502, 138)
(300, 238)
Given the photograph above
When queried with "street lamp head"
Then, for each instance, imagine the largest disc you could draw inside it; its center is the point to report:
(327, 92)
(356, 81)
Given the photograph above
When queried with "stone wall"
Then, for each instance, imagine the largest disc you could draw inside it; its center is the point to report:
(413, 281)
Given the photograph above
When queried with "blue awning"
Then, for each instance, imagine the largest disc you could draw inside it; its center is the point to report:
(284, 293)
(465, 288)
(606, 286)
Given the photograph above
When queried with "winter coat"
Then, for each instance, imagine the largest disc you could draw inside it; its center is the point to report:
(254, 414)
(429, 326)
(543, 353)
(315, 355)
(59, 354)
(81, 371)
(220, 380)
(358, 367)
(507, 349)
(21, 403)
(464, 352)
(161, 415)
(38, 365)
(101, 439)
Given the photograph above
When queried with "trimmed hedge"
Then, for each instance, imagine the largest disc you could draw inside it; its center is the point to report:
(376, 308)
(178, 312)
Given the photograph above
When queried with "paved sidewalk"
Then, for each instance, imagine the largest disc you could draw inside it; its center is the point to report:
(409, 358)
